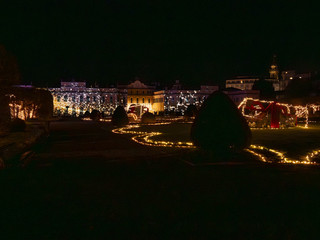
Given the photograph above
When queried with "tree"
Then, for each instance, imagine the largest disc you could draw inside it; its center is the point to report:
(191, 111)
(44, 101)
(4, 112)
(219, 126)
(265, 87)
(148, 117)
(95, 115)
(298, 88)
(9, 71)
(120, 117)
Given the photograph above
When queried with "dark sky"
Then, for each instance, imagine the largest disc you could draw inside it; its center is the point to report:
(197, 42)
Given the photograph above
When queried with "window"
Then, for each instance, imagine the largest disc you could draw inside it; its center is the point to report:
(65, 98)
(88, 99)
(73, 98)
(81, 98)
(111, 100)
(131, 100)
(137, 100)
(148, 100)
(94, 98)
(58, 98)
(142, 100)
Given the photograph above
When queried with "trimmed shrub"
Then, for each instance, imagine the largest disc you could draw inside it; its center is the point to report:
(86, 114)
(148, 117)
(219, 125)
(120, 117)
(95, 115)
(190, 112)
(17, 125)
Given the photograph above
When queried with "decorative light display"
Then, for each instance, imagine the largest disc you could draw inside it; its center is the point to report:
(313, 154)
(279, 157)
(178, 101)
(258, 110)
(264, 154)
(144, 137)
(76, 100)
(22, 109)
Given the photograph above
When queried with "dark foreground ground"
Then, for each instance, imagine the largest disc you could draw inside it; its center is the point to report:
(86, 183)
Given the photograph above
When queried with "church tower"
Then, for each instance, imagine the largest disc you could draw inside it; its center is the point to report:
(274, 71)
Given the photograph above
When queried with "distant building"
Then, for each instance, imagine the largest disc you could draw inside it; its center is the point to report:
(140, 97)
(288, 75)
(74, 98)
(247, 82)
(237, 95)
(178, 100)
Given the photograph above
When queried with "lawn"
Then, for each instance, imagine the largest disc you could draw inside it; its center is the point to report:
(295, 142)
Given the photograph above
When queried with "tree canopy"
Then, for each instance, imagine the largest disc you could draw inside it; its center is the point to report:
(219, 126)
(9, 71)
(265, 87)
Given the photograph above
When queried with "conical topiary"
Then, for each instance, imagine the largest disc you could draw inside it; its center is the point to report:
(148, 117)
(219, 125)
(119, 117)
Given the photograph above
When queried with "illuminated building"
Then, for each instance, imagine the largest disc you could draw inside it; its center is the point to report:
(247, 82)
(140, 97)
(178, 100)
(74, 98)
(237, 96)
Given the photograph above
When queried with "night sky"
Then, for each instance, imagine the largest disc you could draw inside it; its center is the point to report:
(198, 42)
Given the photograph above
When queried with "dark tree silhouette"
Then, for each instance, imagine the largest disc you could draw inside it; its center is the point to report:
(265, 87)
(298, 88)
(95, 115)
(120, 117)
(148, 117)
(4, 111)
(191, 111)
(9, 71)
(219, 126)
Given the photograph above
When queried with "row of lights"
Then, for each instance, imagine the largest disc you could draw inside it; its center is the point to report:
(282, 159)
(144, 139)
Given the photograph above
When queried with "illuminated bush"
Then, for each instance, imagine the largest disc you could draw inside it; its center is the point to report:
(148, 117)
(17, 125)
(219, 125)
(119, 117)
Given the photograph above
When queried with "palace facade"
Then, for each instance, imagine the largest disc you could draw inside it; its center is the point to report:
(75, 99)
